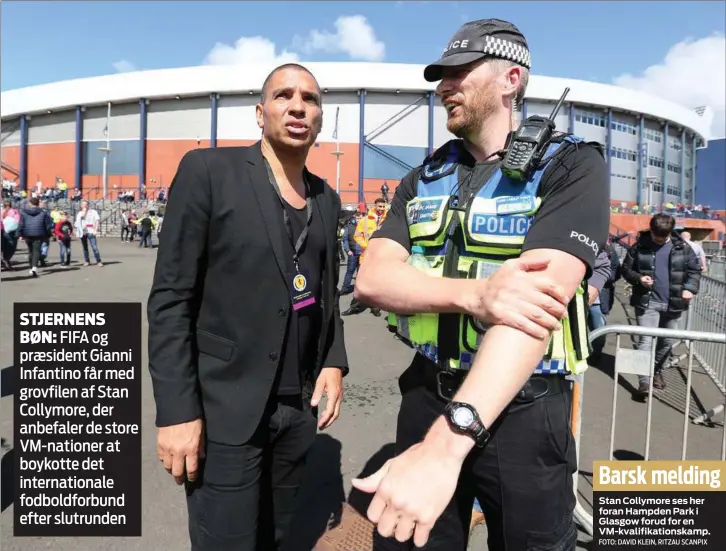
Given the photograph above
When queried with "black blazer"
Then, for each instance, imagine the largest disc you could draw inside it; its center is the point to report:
(219, 304)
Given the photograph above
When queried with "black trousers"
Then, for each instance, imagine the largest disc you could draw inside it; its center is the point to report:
(522, 478)
(34, 245)
(244, 498)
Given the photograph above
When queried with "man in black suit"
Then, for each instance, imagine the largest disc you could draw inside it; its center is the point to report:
(245, 334)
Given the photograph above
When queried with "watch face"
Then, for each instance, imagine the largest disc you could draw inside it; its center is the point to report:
(463, 417)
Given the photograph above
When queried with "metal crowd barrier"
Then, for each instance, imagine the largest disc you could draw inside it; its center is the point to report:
(639, 362)
(707, 312)
(717, 268)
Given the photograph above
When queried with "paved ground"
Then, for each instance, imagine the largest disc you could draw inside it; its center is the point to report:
(363, 435)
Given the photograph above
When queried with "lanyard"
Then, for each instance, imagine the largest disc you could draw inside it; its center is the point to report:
(288, 226)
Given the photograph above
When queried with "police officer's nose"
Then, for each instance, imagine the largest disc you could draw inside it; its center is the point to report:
(443, 89)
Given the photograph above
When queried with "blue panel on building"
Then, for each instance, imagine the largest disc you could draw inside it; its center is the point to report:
(381, 166)
(123, 158)
(711, 175)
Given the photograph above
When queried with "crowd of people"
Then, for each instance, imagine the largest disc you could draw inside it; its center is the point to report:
(57, 192)
(678, 210)
(38, 225)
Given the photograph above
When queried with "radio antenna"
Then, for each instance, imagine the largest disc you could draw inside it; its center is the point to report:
(559, 104)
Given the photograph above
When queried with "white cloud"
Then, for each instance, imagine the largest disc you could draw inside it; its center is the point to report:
(353, 36)
(124, 66)
(693, 74)
(249, 50)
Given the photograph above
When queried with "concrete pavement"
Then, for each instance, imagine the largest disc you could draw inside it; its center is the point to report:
(363, 436)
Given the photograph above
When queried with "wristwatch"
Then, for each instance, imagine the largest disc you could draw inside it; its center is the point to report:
(464, 419)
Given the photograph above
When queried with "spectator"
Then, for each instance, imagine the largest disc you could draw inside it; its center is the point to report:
(87, 223)
(384, 191)
(697, 248)
(10, 222)
(35, 228)
(607, 294)
(146, 228)
(64, 232)
(665, 275)
(353, 251)
(601, 294)
(600, 274)
(125, 226)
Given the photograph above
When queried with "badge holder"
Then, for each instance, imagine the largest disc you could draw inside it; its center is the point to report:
(300, 295)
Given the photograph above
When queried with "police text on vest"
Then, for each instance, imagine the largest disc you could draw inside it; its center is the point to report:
(515, 225)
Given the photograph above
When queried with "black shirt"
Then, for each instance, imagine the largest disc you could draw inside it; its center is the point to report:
(575, 209)
(662, 272)
(301, 344)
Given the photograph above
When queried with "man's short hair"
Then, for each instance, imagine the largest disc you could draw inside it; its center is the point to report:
(34, 201)
(283, 67)
(662, 225)
(379, 200)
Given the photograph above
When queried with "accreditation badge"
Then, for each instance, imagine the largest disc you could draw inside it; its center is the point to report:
(301, 295)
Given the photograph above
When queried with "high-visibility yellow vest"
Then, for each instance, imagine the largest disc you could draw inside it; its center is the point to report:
(495, 224)
(365, 228)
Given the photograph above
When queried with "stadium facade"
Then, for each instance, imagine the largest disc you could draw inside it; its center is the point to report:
(380, 119)
(711, 175)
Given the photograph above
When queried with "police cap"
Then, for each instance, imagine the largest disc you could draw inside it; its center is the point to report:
(479, 39)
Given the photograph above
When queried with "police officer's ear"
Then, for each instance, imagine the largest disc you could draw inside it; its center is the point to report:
(511, 80)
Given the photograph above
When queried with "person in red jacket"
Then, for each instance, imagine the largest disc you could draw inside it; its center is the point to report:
(64, 232)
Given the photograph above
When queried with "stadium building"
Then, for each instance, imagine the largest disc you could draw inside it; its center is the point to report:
(711, 173)
(380, 119)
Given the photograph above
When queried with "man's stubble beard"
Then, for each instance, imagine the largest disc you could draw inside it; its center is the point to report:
(476, 112)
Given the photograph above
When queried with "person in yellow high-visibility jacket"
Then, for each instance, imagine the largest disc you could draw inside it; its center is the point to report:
(365, 228)
(368, 224)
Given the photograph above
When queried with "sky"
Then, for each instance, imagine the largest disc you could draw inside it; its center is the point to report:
(676, 50)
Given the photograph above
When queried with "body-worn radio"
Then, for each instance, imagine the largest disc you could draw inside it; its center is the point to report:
(528, 144)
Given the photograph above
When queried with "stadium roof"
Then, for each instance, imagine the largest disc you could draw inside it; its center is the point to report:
(343, 76)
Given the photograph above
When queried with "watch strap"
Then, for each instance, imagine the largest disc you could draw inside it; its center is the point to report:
(476, 430)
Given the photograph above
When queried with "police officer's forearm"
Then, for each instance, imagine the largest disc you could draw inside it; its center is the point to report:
(497, 374)
(394, 286)
(494, 380)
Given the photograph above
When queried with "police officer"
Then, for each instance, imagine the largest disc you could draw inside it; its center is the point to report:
(486, 265)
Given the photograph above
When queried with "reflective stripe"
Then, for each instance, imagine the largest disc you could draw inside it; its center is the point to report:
(545, 367)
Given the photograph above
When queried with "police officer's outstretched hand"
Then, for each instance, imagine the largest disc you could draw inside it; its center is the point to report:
(411, 491)
(520, 295)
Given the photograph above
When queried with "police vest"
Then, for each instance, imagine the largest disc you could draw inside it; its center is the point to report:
(494, 224)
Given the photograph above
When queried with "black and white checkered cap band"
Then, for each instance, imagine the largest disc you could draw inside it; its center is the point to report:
(505, 49)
